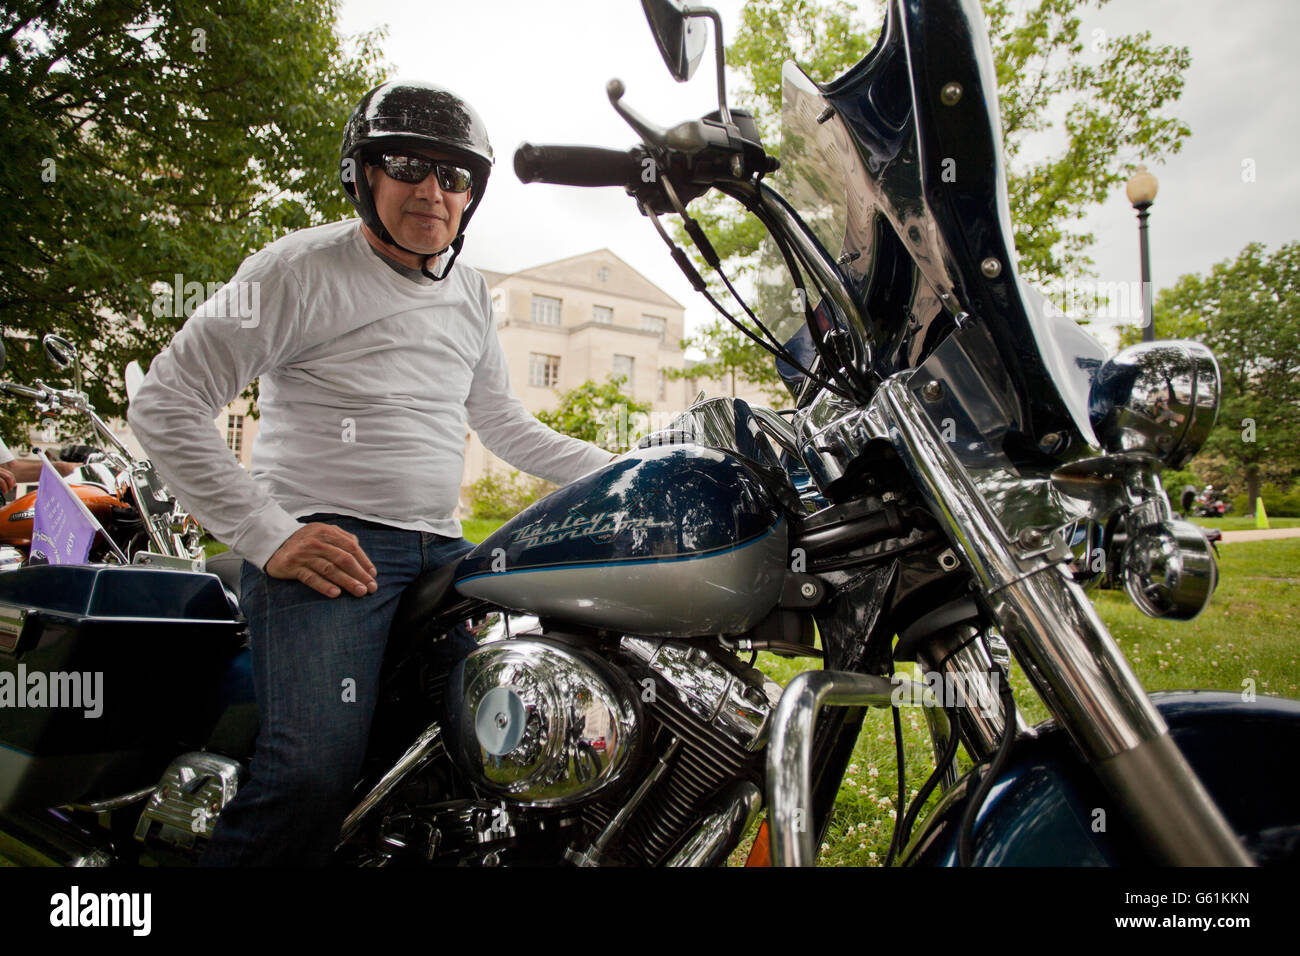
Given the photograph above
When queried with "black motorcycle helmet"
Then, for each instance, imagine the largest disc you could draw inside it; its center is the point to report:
(405, 113)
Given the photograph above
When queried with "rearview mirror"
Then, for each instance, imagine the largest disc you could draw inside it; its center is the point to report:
(61, 352)
(681, 38)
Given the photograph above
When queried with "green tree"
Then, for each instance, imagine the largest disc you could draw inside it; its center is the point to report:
(731, 355)
(600, 413)
(1247, 311)
(152, 139)
(1117, 113)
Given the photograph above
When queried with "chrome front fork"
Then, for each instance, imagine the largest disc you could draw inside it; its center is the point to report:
(1064, 648)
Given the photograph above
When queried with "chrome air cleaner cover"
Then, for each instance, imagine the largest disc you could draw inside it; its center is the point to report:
(541, 723)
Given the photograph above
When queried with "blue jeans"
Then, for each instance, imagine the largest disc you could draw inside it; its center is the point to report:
(316, 663)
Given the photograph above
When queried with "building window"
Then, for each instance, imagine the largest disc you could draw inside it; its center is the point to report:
(498, 303)
(546, 311)
(602, 314)
(235, 434)
(663, 385)
(543, 370)
(603, 273)
(654, 323)
(624, 365)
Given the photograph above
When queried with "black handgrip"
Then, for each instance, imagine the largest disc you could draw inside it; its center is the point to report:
(578, 165)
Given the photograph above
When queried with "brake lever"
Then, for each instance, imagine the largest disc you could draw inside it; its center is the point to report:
(650, 134)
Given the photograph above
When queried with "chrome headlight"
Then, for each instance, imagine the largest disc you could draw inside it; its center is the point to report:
(1157, 399)
(1169, 570)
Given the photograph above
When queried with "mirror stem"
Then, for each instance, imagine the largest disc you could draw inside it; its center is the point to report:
(711, 14)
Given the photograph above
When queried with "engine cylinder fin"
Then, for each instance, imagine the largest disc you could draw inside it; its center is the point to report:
(706, 764)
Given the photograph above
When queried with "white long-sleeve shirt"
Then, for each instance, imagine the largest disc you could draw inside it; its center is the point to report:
(367, 380)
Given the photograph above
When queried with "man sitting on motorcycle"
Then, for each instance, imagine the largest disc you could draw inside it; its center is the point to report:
(373, 353)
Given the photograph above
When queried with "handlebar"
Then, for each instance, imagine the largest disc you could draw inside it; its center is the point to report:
(21, 390)
(578, 165)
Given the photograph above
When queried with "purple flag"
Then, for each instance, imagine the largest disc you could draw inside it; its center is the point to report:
(63, 528)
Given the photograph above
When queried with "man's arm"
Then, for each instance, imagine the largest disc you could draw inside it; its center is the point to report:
(25, 470)
(513, 433)
(209, 362)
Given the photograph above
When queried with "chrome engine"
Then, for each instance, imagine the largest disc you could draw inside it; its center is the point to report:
(640, 744)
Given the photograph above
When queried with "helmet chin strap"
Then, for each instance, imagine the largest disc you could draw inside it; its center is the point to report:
(386, 236)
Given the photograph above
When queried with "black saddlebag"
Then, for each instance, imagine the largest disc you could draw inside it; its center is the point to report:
(105, 673)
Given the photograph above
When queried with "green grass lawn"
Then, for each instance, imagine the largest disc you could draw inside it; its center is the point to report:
(476, 529)
(1244, 523)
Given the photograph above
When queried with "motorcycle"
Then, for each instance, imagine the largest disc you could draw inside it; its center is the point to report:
(137, 518)
(1207, 503)
(947, 428)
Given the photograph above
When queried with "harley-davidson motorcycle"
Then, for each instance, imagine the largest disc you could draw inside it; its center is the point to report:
(135, 513)
(949, 432)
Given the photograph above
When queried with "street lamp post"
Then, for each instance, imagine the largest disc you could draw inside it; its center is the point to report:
(1141, 190)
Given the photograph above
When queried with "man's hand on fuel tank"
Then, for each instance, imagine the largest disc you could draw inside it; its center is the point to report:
(326, 559)
(6, 481)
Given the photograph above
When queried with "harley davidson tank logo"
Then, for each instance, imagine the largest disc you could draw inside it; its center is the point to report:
(583, 526)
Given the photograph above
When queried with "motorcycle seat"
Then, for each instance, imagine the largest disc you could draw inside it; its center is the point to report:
(426, 598)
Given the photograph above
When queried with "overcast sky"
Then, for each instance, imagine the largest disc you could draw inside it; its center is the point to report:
(536, 71)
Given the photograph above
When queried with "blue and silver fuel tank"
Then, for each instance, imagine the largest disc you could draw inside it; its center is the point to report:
(670, 540)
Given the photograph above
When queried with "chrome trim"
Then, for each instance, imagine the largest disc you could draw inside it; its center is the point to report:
(1169, 570)
(189, 798)
(168, 562)
(13, 618)
(423, 749)
(789, 754)
(720, 831)
(739, 711)
(1063, 646)
(45, 838)
(112, 803)
(965, 667)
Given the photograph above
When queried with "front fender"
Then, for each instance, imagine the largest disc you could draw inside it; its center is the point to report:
(1048, 809)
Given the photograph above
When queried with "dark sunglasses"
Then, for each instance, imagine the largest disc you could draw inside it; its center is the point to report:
(409, 168)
